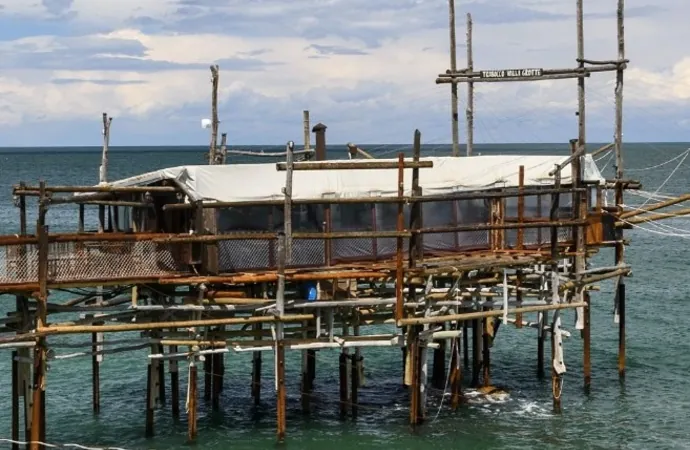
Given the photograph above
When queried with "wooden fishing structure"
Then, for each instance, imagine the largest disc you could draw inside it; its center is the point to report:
(203, 264)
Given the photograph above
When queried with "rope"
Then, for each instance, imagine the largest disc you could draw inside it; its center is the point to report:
(685, 155)
(45, 444)
(659, 165)
(445, 387)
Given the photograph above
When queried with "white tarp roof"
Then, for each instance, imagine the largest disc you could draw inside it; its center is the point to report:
(254, 182)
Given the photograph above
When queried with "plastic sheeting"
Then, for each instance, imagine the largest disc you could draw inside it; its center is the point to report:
(256, 182)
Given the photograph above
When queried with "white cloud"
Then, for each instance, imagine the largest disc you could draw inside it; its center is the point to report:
(359, 62)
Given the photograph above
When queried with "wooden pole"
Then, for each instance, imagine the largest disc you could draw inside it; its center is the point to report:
(280, 348)
(287, 208)
(476, 350)
(400, 226)
(95, 373)
(455, 374)
(342, 378)
(103, 172)
(208, 372)
(469, 112)
(556, 380)
(38, 409)
(587, 343)
(149, 399)
(454, 86)
(541, 334)
(307, 130)
(413, 343)
(223, 148)
(620, 286)
(354, 370)
(486, 351)
(15, 399)
(214, 114)
(256, 371)
(192, 403)
(174, 383)
(281, 410)
(217, 385)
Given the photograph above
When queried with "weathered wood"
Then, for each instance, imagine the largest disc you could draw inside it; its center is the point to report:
(354, 165)
(469, 111)
(214, 114)
(454, 86)
(400, 225)
(618, 139)
(25, 190)
(587, 344)
(281, 396)
(95, 374)
(103, 172)
(15, 400)
(491, 313)
(307, 130)
(540, 74)
(287, 207)
(192, 403)
(149, 400)
(256, 371)
(173, 368)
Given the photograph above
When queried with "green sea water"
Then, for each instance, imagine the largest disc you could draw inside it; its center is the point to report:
(651, 409)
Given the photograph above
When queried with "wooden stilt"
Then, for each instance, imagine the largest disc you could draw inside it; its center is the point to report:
(354, 381)
(587, 342)
(208, 380)
(311, 368)
(174, 385)
(455, 375)
(556, 380)
(149, 400)
(161, 379)
(486, 353)
(541, 334)
(621, 329)
(305, 384)
(423, 380)
(404, 366)
(476, 351)
(413, 360)
(15, 399)
(281, 398)
(95, 375)
(256, 371)
(439, 370)
(192, 403)
(218, 374)
(465, 345)
(342, 372)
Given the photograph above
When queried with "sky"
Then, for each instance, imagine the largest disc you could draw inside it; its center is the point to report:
(365, 68)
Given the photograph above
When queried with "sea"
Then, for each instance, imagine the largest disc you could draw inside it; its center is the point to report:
(649, 410)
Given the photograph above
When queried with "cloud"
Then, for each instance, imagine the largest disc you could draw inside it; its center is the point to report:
(57, 7)
(101, 82)
(365, 68)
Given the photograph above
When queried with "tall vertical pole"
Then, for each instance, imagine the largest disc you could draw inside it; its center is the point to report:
(454, 86)
(307, 129)
(38, 410)
(469, 111)
(214, 115)
(620, 287)
(103, 172)
(581, 79)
